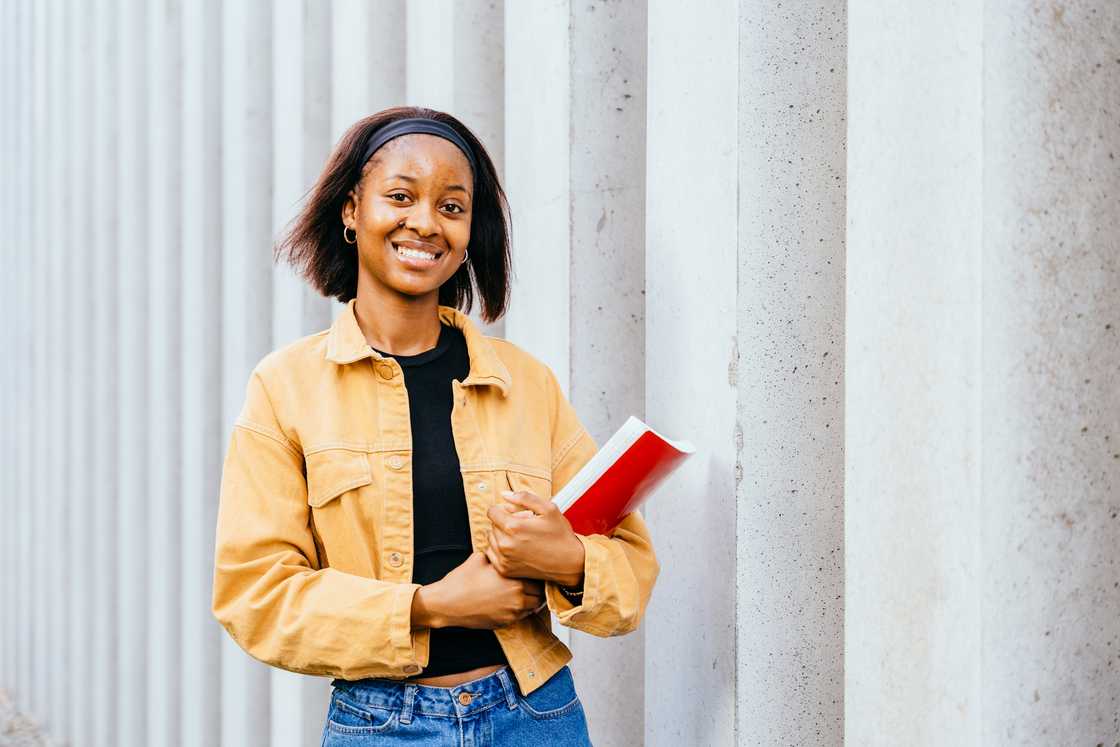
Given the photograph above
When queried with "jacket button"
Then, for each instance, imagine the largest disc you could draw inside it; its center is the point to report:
(395, 559)
(385, 371)
(411, 669)
(465, 698)
(482, 486)
(396, 461)
(531, 674)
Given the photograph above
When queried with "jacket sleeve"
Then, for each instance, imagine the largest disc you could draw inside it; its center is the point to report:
(269, 592)
(618, 571)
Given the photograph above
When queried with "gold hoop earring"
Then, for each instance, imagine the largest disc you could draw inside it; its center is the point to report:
(345, 237)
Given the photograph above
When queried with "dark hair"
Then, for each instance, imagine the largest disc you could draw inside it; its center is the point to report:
(314, 246)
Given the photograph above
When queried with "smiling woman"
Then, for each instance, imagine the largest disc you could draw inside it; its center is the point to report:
(392, 182)
(364, 532)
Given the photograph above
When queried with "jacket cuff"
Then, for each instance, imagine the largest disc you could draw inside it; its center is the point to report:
(411, 645)
(595, 559)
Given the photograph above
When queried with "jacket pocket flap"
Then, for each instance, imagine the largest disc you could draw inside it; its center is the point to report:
(535, 484)
(332, 472)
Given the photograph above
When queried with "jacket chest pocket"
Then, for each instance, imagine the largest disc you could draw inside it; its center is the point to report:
(333, 472)
(530, 483)
(340, 514)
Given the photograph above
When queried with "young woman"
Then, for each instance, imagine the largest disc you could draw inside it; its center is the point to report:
(385, 515)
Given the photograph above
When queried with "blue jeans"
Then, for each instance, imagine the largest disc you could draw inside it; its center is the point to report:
(486, 712)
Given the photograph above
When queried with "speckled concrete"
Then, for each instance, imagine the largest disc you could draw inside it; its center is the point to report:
(744, 337)
(607, 300)
(982, 368)
(789, 374)
(1051, 382)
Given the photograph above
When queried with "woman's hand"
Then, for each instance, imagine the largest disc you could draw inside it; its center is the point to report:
(530, 538)
(474, 595)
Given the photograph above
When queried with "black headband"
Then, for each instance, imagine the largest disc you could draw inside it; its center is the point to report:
(425, 126)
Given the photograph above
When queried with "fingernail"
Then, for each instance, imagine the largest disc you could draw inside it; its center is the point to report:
(507, 492)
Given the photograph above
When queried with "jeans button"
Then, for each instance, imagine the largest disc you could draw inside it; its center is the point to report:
(465, 698)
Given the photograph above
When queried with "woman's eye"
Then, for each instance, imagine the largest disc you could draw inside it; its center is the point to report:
(398, 194)
(457, 208)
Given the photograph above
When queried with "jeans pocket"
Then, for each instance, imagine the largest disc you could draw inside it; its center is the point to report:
(553, 699)
(349, 717)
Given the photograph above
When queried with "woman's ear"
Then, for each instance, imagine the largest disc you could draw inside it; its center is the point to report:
(348, 208)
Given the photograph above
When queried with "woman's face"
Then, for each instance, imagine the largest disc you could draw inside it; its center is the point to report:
(425, 182)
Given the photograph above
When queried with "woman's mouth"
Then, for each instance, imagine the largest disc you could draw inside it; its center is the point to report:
(412, 255)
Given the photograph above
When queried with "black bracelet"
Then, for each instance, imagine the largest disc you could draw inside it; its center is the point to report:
(570, 593)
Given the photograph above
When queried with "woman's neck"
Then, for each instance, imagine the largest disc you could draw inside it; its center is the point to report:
(399, 326)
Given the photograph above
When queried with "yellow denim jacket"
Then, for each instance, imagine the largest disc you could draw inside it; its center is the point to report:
(313, 554)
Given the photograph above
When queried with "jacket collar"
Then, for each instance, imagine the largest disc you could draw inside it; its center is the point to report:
(347, 344)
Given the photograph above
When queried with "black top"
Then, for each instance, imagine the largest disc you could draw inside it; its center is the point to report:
(441, 537)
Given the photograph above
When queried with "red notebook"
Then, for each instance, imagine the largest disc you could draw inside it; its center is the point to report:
(620, 477)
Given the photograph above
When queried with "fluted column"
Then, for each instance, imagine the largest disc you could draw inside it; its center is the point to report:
(1050, 408)
(913, 439)
(40, 185)
(744, 336)
(106, 361)
(575, 114)
(55, 418)
(9, 413)
(201, 334)
(164, 369)
(132, 365)
(81, 336)
(983, 297)
(246, 292)
(367, 61)
(301, 136)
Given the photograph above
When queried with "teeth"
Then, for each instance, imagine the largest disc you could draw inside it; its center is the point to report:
(403, 251)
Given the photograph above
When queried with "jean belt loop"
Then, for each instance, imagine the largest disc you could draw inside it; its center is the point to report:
(507, 686)
(409, 699)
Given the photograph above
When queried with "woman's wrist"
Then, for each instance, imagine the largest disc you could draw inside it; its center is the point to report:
(427, 609)
(572, 576)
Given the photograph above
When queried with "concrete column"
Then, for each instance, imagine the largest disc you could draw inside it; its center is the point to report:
(367, 61)
(538, 180)
(106, 361)
(301, 90)
(134, 436)
(982, 475)
(25, 202)
(301, 137)
(40, 186)
(77, 388)
(576, 179)
(607, 296)
(164, 368)
(912, 369)
(1049, 415)
(693, 234)
(8, 338)
(52, 419)
(745, 210)
(455, 64)
(202, 432)
(246, 291)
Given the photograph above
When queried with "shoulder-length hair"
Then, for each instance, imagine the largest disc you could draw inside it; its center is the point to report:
(314, 246)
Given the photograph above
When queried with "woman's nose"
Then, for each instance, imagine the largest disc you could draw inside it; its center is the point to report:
(422, 217)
